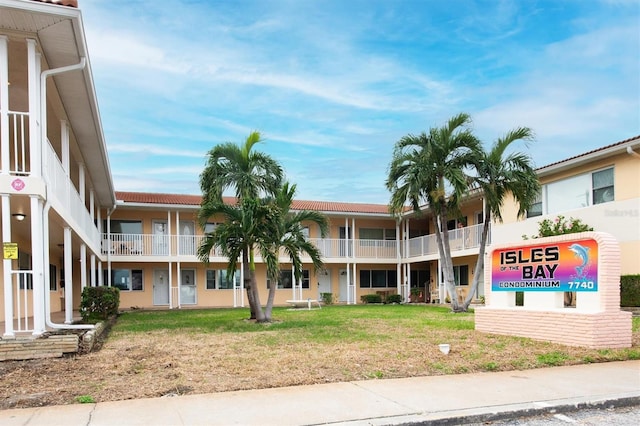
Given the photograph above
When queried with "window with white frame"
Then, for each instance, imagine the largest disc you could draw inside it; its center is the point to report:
(460, 275)
(218, 279)
(575, 192)
(378, 278)
(125, 279)
(286, 278)
(602, 186)
(536, 207)
(377, 234)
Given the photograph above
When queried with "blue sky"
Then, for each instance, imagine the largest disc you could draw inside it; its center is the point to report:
(332, 85)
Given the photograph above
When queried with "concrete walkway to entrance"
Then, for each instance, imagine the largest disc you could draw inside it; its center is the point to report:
(451, 399)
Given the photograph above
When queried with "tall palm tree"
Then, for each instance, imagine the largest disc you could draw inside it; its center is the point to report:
(237, 236)
(249, 174)
(498, 174)
(432, 168)
(267, 226)
(286, 235)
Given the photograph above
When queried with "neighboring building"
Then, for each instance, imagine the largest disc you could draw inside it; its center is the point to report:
(600, 187)
(69, 228)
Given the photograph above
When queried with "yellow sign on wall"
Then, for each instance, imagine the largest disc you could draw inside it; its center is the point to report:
(10, 250)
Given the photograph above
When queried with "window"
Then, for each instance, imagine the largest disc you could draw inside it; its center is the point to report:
(211, 279)
(125, 279)
(461, 274)
(378, 278)
(286, 279)
(53, 279)
(209, 227)
(217, 279)
(575, 192)
(602, 184)
(376, 234)
(536, 207)
(125, 226)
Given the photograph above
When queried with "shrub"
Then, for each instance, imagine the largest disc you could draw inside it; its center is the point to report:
(560, 226)
(327, 298)
(630, 290)
(371, 298)
(394, 298)
(99, 303)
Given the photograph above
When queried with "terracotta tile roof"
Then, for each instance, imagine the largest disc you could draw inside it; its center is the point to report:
(70, 3)
(194, 200)
(584, 154)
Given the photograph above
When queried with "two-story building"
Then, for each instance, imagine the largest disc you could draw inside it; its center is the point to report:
(64, 227)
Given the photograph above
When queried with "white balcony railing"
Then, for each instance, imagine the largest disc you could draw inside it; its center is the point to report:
(330, 248)
(459, 239)
(69, 202)
(19, 141)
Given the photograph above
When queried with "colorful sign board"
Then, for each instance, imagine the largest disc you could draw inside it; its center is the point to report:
(560, 266)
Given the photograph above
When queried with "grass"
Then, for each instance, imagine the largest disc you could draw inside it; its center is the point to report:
(157, 353)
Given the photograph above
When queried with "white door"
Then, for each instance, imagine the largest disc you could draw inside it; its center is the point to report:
(344, 290)
(161, 287)
(324, 282)
(160, 238)
(187, 241)
(188, 287)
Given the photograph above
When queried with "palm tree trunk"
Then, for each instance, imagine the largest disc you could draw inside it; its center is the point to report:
(479, 263)
(442, 237)
(272, 295)
(246, 267)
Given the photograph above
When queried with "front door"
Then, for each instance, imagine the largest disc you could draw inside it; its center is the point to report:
(187, 241)
(188, 287)
(161, 287)
(344, 288)
(324, 283)
(160, 238)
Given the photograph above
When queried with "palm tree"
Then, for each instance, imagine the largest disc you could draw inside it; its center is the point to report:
(432, 168)
(237, 236)
(267, 226)
(286, 235)
(499, 174)
(249, 174)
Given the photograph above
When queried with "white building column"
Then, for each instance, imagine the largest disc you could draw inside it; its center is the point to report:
(6, 268)
(36, 140)
(4, 106)
(37, 264)
(83, 266)
(68, 274)
(92, 271)
(82, 184)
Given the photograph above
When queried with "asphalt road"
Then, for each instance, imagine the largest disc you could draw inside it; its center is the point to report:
(619, 416)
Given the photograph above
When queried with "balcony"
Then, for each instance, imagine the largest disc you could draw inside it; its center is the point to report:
(157, 246)
(460, 239)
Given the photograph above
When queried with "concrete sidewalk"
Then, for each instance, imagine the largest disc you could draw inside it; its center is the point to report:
(419, 400)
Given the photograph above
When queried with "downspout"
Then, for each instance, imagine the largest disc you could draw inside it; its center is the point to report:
(47, 206)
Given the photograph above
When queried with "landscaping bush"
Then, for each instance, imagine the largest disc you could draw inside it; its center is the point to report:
(630, 290)
(327, 298)
(99, 303)
(394, 298)
(371, 298)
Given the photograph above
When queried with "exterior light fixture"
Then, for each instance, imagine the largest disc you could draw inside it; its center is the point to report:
(19, 216)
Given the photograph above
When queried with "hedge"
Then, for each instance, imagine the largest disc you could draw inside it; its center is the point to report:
(99, 303)
(630, 290)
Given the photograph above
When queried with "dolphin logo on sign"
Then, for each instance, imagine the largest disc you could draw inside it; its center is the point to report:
(581, 253)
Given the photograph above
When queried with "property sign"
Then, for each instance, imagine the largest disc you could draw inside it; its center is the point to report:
(562, 266)
(10, 250)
